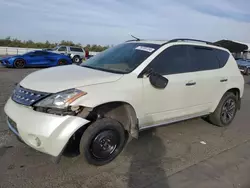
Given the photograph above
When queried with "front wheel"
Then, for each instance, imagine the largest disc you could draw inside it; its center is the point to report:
(19, 64)
(102, 141)
(225, 111)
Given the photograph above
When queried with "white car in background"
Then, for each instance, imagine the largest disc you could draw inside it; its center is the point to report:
(128, 88)
(77, 54)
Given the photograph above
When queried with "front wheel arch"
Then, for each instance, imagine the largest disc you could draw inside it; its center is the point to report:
(121, 111)
(128, 120)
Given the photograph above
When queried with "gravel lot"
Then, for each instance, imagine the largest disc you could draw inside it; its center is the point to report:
(170, 156)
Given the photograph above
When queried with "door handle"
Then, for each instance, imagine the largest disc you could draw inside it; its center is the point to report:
(191, 83)
(223, 80)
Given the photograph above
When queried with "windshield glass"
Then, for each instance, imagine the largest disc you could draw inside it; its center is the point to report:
(29, 53)
(122, 58)
(54, 49)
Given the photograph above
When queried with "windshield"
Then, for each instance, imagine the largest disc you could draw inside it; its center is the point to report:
(54, 49)
(29, 53)
(122, 58)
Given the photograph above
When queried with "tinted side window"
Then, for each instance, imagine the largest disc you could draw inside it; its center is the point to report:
(75, 49)
(203, 58)
(63, 48)
(38, 53)
(173, 60)
(223, 56)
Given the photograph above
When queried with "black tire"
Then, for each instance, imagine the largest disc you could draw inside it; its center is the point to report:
(62, 62)
(76, 59)
(19, 63)
(102, 141)
(228, 105)
(247, 72)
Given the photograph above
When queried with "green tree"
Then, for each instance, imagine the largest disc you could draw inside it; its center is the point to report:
(14, 42)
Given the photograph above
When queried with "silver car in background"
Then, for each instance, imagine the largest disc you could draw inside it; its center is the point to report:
(77, 54)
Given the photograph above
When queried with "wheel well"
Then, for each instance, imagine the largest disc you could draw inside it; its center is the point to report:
(61, 59)
(235, 91)
(20, 59)
(120, 111)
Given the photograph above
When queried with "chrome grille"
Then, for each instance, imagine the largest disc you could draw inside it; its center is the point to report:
(26, 96)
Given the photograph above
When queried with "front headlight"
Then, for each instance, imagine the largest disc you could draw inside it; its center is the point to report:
(61, 100)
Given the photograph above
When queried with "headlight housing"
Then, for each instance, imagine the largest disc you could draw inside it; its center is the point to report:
(60, 100)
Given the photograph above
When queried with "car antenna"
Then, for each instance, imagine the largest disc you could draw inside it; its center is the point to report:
(135, 38)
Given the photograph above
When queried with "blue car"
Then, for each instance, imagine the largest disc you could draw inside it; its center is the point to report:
(36, 59)
(244, 66)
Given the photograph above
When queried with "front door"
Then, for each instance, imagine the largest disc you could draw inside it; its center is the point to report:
(178, 99)
(36, 58)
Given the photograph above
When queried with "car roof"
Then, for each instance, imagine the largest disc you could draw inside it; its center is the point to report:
(160, 42)
(70, 46)
(181, 41)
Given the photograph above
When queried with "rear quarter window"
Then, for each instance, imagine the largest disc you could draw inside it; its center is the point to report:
(223, 56)
(74, 49)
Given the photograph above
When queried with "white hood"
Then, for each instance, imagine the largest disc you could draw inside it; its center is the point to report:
(57, 79)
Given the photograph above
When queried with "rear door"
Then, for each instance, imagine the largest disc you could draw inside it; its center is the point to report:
(77, 51)
(210, 79)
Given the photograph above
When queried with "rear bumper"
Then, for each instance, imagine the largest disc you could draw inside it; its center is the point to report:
(44, 132)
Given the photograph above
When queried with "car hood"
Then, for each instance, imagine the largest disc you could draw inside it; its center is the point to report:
(57, 79)
(8, 57)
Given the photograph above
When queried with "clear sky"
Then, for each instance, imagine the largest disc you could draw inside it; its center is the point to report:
(112, 21)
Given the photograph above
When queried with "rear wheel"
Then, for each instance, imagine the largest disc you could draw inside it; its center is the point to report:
(225, 111)
(19, 63)
(248, 71)
(76, 59)
(102, 141)
(62, 62)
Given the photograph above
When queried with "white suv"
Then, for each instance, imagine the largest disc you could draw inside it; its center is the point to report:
(121, 91)
(75, 53)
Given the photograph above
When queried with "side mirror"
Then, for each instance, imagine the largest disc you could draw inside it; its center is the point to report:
(158, 81)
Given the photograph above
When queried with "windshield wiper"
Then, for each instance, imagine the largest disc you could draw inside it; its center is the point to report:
(105, 70)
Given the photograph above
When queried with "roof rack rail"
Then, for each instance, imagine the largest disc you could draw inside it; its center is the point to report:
(192, 40)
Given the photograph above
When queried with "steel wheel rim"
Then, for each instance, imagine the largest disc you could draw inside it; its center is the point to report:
(228, 111)
(104, 144)
(77, 60)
